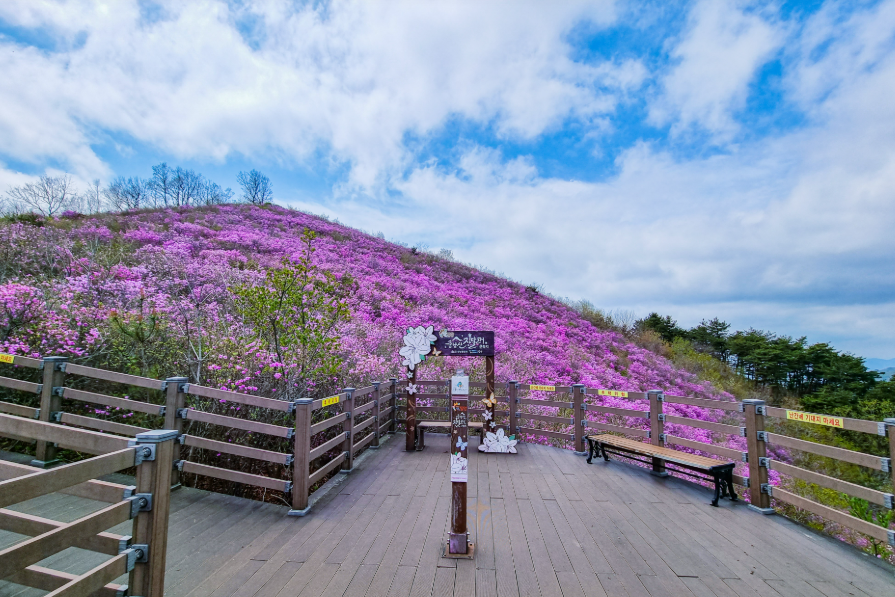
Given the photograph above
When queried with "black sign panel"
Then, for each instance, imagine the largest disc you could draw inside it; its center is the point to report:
(463, 344)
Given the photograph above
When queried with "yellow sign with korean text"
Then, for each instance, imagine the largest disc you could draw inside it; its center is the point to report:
(794, 415)
(542, 388)
(7, 358)
(330, 400)
(614, 393)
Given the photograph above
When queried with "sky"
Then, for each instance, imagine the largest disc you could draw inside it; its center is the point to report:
(700, 159)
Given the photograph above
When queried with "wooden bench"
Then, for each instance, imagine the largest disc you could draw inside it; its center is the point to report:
(422, 425)
(700, 466)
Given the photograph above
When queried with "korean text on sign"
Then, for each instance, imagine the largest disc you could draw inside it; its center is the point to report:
(794, 415)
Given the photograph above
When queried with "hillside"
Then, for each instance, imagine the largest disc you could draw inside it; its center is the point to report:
(79, 285)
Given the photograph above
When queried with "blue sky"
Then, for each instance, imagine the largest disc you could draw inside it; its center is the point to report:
(708, 158)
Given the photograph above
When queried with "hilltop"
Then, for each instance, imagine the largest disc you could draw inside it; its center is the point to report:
(150, 292)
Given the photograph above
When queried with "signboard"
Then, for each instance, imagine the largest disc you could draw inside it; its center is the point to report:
(463, 344)
(460, 385)
(614, 393)
(330, 400)
(459, 437)
(7, 358)
(535, 388)
(794, 415)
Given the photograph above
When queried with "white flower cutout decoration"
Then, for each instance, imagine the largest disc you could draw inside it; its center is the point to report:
(487, 415)
(416, 345)
(412, 388)
(498, 442)
(459, 465)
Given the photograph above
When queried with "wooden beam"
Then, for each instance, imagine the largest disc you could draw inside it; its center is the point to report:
(42, 482)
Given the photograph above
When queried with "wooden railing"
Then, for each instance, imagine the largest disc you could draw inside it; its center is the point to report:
(185, 405)
(142, 554)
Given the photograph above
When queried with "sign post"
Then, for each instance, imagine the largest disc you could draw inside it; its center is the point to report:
(458, 544)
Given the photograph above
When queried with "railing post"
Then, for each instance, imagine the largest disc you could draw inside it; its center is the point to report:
(512, 392)
(757, 453)
(890, 429)
(578, 407)
(410, 417)
(657, 427)
(175, 399)
(147, 579)
(50, 402)
(376, 410)
(393, 388)
(301, 464)
(348, 427)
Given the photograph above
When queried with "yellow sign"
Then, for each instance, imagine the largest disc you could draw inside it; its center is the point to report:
(794, 415)
(6, 358)
(615, 393)
(330, 400)
(542, 388)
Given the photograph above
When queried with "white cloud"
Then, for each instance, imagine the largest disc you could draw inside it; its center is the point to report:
(349, 77)
(714, 63)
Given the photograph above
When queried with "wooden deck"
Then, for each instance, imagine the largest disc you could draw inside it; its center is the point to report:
(544, 522)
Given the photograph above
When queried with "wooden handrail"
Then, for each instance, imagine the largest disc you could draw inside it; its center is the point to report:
(114, 376)
(236, 449)
(546, 433)
(547, 403)
(858, 491)
(47, 579)
(625, 412)
(703, 402)
(75, 439)
(318, 404)
(19, 410)
(861, 425)
(721, 451)
(327, 423)
(859, 458)
(239, 398)
(42, 482)
(326, 446)
(93, 580)
(625, 430)
(101, 491)
(862, 526)
(235, 476)
(125, 403)
(546, 419)
(102, 425)
(18, 384)
(31, 551)
(707, 425)
(327, 468)
(234, 423)
(30, 526)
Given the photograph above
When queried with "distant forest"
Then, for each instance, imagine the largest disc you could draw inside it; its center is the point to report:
(821, 378)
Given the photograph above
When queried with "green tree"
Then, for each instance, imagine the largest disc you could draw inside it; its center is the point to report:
(296, 314)
(666, 327)
(711, 336)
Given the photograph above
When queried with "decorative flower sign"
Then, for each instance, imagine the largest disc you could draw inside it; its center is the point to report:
(417, 343)
(498, 442)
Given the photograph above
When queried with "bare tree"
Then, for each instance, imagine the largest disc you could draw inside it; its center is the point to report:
(211, 193)
(256, 187)
(93, 201)
(127, 193)
(47, 197)
(160, 185)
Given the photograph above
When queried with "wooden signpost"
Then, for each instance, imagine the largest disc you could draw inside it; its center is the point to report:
(458, 544)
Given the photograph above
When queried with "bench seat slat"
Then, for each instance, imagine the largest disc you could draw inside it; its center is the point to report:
(667, 454)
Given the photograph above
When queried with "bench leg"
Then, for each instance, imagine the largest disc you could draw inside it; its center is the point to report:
(605, 453)
(590, 450)
(730, 489)
(717, 491)
(420, 438)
